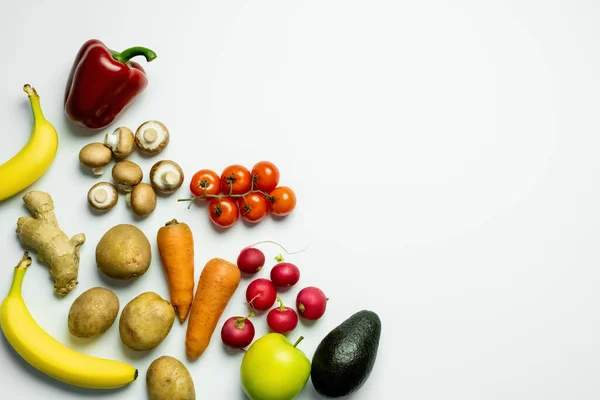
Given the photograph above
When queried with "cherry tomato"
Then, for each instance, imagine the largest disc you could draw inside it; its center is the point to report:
(265, 175)
(253, 207)
(235, 179)
(205, 181)
(282, 200)
(223, 212)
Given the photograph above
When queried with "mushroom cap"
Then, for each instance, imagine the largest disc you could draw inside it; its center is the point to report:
(120, 142)
(95, 155)
(142, 199)
(166, 176)
(152, 137)
(103, 196)
(127, 174)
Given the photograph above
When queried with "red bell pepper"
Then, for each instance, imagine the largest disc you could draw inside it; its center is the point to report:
(102, 83)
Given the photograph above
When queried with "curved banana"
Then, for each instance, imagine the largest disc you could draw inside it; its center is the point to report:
(34, 159)
(48, 355)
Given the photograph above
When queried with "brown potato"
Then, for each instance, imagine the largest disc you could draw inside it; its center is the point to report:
(168, 379)
(124, 252)
(93, 312)
(146, 321)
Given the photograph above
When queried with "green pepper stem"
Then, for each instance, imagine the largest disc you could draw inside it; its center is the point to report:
(131, 52)
(301, 338)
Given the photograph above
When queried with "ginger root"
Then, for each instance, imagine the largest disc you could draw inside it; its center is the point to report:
(54, 248)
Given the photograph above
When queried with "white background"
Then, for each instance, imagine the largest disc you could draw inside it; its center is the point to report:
(444, 155)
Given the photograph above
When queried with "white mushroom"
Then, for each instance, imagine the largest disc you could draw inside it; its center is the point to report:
(166, 176)
(95, 156)
(142, 199)
(103, 196)
(121, 142)
(152, 137)
(126, 175)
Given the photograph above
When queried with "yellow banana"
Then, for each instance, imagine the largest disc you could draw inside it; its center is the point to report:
(48, 355)
(34, 159)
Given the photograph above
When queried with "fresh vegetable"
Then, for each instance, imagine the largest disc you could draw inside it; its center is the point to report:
(152, 137)
(102, 83)
(238, 332)
(285, 274)
(175, 244)
(274, 369)
(168, 379)
(166, 177)
(35, 158)
(265, 175)
(344, 359)
(95, 156)
(235, 179)
(218, 282)
(282, 201)
(146, 321)
(261, 294)
(282, 319)
(103, 196)
(121, 142)
(123, 252)
(253, 207)
(251, 260)
(93, 312)
(43, 234)
(49, 356)
(142, 199)
(126, 175)
(204, 183)
(311, 303)
(224, 212)
(255, 193)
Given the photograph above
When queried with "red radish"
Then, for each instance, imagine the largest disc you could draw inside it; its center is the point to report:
(311, 303)
(238, 332)
(282, 319)
(285, 274)
(251, 260)
(261, 294)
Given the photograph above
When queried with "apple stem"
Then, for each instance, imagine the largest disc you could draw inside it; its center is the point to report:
(298, 341)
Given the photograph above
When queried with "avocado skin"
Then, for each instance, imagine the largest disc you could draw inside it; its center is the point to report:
(345, 357)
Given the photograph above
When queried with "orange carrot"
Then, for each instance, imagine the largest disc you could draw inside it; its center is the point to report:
(176, 248)
(217, 284)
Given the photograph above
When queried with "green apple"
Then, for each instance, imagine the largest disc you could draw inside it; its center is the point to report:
(274, 369)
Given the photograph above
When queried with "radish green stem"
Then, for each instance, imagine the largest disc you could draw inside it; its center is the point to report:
(277, 244)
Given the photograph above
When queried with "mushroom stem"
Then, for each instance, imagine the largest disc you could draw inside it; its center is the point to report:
(170, 178)
(125, 188)
(150, 135)
(98, 170)
(100, 195)
(128, 199)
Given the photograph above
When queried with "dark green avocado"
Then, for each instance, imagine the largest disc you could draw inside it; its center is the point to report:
(345, 357)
